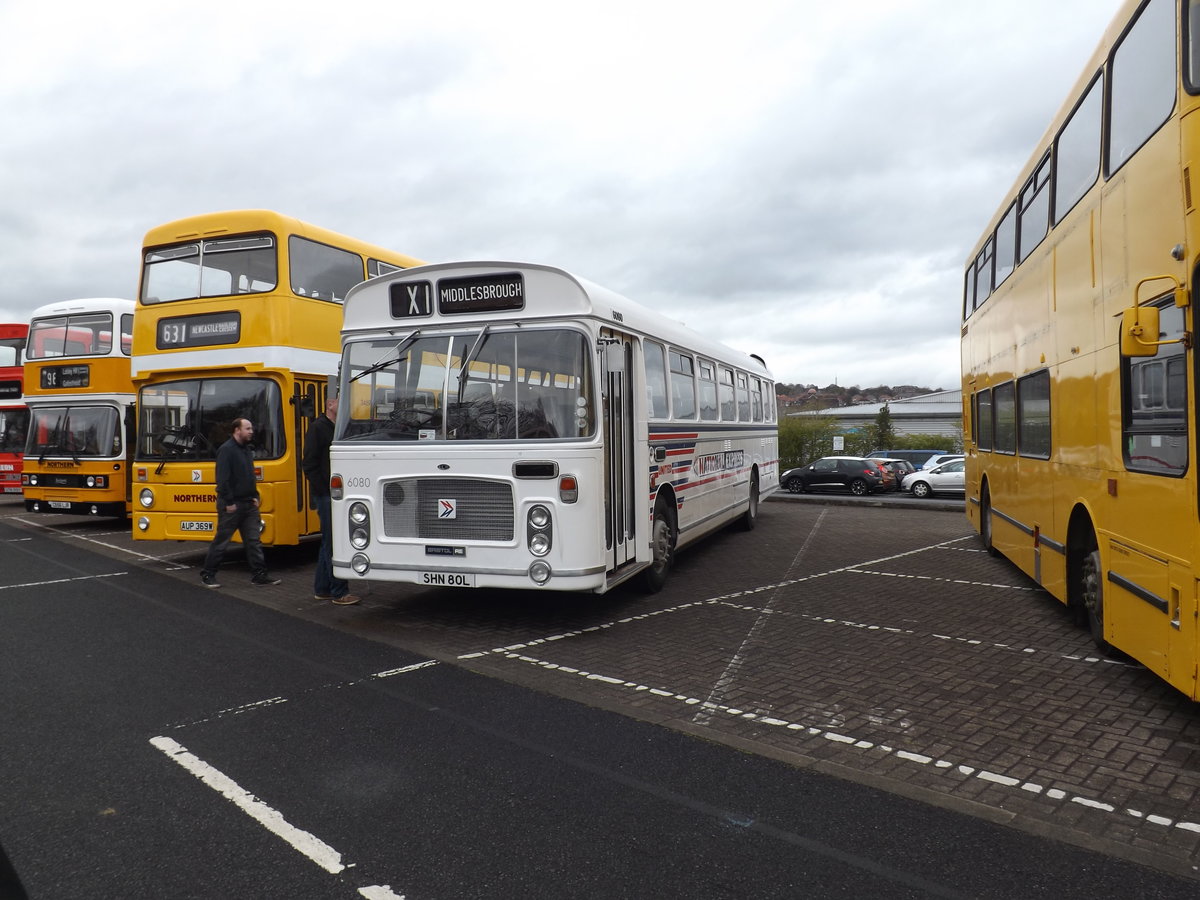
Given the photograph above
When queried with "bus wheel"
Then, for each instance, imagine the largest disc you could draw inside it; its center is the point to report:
(662, 545)
(750, 516)
(1091, 591)
(985, 522)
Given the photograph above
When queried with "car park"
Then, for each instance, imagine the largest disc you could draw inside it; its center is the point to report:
(855, 474)
(948, 478)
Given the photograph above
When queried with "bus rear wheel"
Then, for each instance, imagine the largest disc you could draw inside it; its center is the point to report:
(1091, 592)
(985, 522)
(663, 535)
(750, 516)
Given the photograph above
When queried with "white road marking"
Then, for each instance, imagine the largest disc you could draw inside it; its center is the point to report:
(276, 701)
(734, 666)
(851, 741)
(29, 584)
(81, 537)
(380, 892)
(271, 819)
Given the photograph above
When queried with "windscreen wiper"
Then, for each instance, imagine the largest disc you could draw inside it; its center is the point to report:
(470, 358)
(390, 358)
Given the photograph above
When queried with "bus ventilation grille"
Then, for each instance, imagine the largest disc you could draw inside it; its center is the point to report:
(448, 509)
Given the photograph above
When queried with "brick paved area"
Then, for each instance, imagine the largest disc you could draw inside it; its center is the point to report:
(878, 643)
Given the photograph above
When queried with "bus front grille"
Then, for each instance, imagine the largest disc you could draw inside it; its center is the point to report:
(448, 509)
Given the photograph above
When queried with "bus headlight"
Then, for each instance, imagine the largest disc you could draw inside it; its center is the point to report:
(30, 480)
(143, 523)
(360, 525)
(146, 497)
(539, 572)
(360, 564)
(97, 481)
(540, 529)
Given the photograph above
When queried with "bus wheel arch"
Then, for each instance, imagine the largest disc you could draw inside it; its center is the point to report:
(1085, 577)
(750, 516)
(664, 534)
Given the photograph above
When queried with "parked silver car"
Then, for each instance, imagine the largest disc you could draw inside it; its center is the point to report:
(948, 478)
(940, 458)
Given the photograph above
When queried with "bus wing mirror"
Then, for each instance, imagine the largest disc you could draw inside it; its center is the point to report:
(1139, 331)
(307, 408)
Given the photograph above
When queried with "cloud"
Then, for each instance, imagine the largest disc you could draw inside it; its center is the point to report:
(800, 180)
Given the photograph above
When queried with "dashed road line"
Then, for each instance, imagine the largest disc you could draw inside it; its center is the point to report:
(891, 629)
(1028, 787)
(32, 584)
(276, 701)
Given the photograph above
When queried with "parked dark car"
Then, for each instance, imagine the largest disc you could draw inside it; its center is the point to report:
(900, 469)
(845, 473)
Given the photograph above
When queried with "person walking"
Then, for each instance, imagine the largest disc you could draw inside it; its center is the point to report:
(237, 507)
(316, 469)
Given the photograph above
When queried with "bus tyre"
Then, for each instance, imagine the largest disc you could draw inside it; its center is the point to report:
(985, 522)
(1092, 594)
(750, 516)
(662, 545)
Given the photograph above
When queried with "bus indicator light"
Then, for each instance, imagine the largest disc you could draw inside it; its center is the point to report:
(568, 489)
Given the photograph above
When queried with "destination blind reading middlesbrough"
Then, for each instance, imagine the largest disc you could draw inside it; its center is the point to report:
(483, 293)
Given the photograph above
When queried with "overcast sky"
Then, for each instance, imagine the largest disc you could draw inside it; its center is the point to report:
(802, 180)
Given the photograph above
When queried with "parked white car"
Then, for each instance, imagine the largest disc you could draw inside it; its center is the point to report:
(940, 458)
(949, 478)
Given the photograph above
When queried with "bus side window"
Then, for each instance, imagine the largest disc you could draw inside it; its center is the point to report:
(656, 379)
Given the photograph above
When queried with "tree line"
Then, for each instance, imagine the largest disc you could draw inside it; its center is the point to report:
(803, 439)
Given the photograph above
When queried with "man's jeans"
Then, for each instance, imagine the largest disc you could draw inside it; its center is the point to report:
(246, 520)
(324, 584)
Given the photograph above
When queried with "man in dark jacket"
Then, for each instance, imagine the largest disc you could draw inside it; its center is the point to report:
(316, 469)
(237, 507)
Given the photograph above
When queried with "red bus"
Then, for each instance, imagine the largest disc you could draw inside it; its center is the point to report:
(14, 416)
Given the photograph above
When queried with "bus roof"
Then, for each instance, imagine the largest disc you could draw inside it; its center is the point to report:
(85, 304)
(242, 221)
(551, 293)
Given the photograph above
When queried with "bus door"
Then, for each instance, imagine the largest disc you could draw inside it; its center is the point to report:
(308, 402)
(620, 502)
(130, 425)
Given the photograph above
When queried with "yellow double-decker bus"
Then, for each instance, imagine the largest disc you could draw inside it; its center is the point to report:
(1079, 369)
(239, 314)
(80, 398)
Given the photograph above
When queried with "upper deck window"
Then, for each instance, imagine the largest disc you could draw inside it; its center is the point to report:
(1077, 157)
(218, 268)
(321, 271)
(1035, 208)
(1143, 82)
(85, 334)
